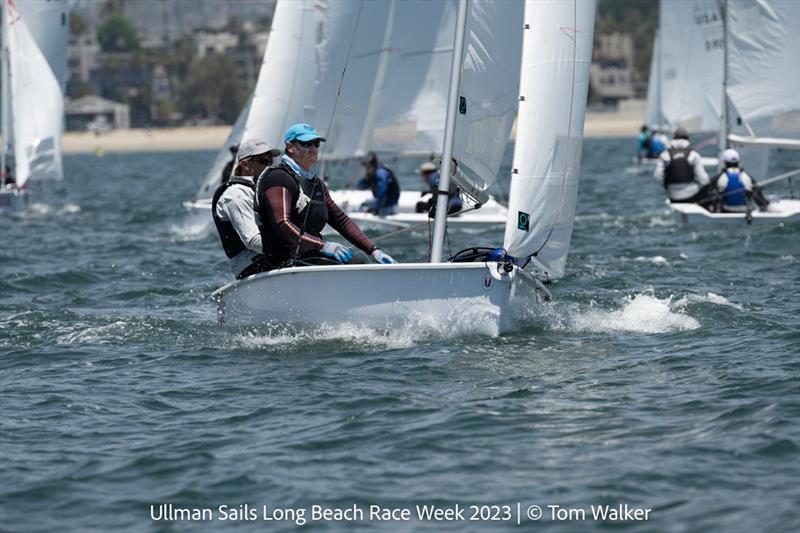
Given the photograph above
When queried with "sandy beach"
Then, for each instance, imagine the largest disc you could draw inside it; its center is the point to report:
(598, 125)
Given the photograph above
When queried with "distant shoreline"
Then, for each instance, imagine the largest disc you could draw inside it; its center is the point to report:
(598, 125)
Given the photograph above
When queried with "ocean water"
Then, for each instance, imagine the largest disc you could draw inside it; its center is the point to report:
(665, 376)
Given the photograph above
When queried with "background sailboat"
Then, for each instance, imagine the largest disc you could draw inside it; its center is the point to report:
(557, 46)
(32, 96)
(760, 84)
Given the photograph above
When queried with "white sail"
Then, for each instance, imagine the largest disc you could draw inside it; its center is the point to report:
(544, 183)
(37, 102)
(284, 90)
(214, 176)
(414, 90)
(692, 55)
(489, 87)
(763, 82)
(48, 22)
(653, 115)
(349, 58)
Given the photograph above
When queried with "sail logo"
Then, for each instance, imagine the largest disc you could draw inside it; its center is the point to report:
(705, 18)
(523, 221)
(715, 44)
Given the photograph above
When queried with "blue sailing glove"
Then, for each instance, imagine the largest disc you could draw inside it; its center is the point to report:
(342, 254)
(382, 257)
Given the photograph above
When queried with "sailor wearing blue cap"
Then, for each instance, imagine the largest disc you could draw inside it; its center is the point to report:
(293, 205)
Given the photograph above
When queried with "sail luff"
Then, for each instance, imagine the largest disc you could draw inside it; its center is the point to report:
(557, 46)
(5, 94)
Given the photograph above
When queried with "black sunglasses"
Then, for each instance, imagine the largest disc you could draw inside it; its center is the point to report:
(308, 144)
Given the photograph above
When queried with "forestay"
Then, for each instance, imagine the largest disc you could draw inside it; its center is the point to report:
(692, 56)
(763, 77)
(488, 91)
(37, 102)
(547, 155)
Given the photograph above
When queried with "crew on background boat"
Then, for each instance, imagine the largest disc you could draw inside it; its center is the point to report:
(735, 188)
(384, 186)
(680, 170)
(429, 174)
(228, 169)
(658, 143)
(233, 212)
(643, 143)
(293, 205)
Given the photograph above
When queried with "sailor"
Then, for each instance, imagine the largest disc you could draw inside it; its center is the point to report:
(680, 170)
(228, 169)
(430, 176)
(384, 186)
(643, 150)
(735, 188)
(293, 205)
(232, 209)
(658, 143)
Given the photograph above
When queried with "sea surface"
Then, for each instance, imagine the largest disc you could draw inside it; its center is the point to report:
(665, 376)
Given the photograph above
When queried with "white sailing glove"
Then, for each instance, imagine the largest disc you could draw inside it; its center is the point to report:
(382, 257)
(342, 254)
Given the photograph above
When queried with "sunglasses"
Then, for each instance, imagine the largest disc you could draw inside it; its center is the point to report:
(261, 160)
(308, 144)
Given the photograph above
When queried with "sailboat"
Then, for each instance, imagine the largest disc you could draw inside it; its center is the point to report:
(760, 84)
(686, 70)
(500, 55)
(32, 96)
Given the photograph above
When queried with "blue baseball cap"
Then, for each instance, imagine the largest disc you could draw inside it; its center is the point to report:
(302, 132)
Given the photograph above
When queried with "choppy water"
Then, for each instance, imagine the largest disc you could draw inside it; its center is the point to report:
(664, 377)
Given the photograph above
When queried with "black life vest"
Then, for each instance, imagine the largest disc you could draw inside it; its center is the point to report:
(678, 170)
(311, 219)
(231, 242)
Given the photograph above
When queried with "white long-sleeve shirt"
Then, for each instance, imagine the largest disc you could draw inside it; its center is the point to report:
(682, 191)
(236, 206)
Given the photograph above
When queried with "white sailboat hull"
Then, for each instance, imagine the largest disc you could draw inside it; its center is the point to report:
(383, 296)
(786, 210)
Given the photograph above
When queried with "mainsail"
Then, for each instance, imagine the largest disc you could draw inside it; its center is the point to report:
(691, 55)
(284, 90)
(547, 154)
(37, 103)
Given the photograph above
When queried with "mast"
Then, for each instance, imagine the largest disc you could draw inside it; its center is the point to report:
(4, 81)
(723, 121)
(440, 221)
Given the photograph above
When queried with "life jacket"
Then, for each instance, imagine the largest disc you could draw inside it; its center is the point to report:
(655, 147)
(231, 242)
(392, 192)
(678, 170)
(310, 217)
(739, 197)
